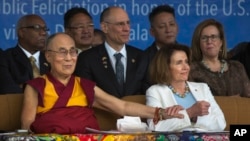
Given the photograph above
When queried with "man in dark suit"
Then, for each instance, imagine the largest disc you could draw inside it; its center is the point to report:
(99, 63)
(163, 28)
(32, 34)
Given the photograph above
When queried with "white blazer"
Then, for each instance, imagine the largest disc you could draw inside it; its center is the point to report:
(161, 96)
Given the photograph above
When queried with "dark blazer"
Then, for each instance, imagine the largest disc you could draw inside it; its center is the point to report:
(148, 56)
(150, 52)
(94, 64)
(241, 53)
(19, 67)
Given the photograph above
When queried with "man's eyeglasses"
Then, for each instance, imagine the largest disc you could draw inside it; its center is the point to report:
(37, 28)
(120, 24)
(213, 38)
(62, 53)
(89, 26)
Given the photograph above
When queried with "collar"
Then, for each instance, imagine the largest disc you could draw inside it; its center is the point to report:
(111, 51)
(28, 54)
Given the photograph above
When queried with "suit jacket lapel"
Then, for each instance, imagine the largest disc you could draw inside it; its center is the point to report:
(169, 97)
(22, 59)
(44, 65)
(107, 67)
(195, 90)
(153, 51)
(131, 67)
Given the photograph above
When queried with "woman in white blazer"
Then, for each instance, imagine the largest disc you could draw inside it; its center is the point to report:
(169, 72)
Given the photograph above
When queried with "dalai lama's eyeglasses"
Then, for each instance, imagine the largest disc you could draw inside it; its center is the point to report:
(62, 53)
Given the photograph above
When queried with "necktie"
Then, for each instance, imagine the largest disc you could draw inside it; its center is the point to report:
(35, 69)
(119, 69)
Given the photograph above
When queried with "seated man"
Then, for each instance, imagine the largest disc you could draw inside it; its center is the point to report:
(59, 102)
(115, 66)
(31, 33)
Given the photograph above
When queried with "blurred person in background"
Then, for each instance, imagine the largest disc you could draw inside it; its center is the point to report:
(241, 53)
(99, 37)
(164, 29)
(78, 23)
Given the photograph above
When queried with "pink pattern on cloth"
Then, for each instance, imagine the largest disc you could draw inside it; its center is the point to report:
(215, 138)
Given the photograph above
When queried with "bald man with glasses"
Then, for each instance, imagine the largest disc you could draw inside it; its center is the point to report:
(113, 65)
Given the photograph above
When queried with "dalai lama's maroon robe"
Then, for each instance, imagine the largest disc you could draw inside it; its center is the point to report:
(63, 109)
